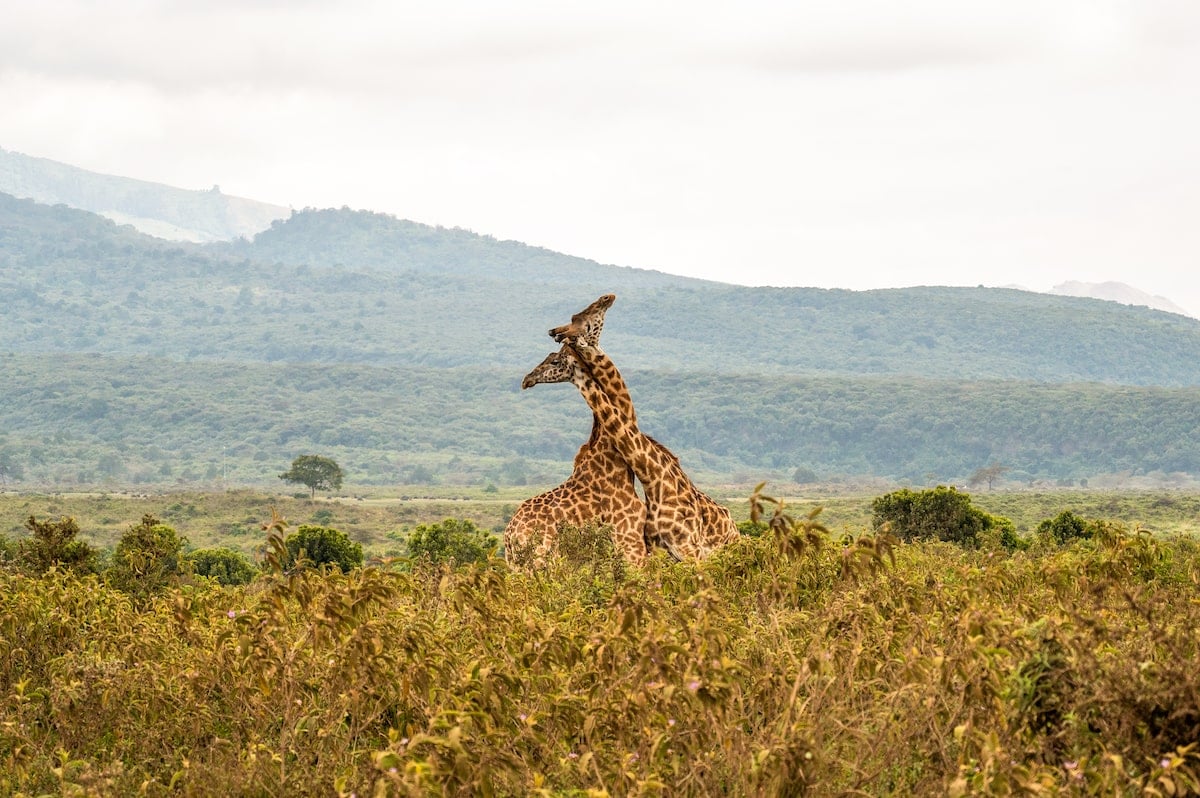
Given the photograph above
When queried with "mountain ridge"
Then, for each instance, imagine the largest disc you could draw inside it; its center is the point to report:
(430, 296)
(154, 208)
(172, 213)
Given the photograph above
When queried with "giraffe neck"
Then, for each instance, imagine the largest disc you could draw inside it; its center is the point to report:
(604, 372)
(620, 425)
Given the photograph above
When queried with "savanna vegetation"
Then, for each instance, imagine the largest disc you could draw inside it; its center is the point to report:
(73, 420)
(794, 662)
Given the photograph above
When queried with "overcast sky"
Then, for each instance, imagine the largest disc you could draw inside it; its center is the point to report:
(838, 143)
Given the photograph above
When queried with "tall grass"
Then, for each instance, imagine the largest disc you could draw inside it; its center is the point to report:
(786, 664)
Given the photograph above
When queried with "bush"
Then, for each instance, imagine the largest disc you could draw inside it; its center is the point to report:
(451, 540)
(752, 529)
(148, 557)
(225, 565)
(9, 550)
(1002, 532)
(804, 475)
(1065, 527)
(938, 514)
(56, 543)
(319, 545)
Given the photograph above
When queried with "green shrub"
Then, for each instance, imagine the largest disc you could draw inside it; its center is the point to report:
(1065, 527)
(319, 545)
(1002, 532)
(323, 517)
(55, 543)
(148, 558)
(8, 550)
(225, 565)
(941, 513)
(752, 529)
(451, 540)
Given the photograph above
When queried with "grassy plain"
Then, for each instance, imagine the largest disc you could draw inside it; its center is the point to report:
(379, 520)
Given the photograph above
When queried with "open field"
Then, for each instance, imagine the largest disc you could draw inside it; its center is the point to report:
(380, 520)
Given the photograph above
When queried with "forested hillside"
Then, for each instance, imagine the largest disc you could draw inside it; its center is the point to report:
(398, 348)
(351, 287)
(79, 419)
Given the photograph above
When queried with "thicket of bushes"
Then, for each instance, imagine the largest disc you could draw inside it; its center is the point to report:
(784, 665)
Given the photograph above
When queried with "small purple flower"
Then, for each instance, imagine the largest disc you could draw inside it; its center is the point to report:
(1166, 763)
(232, 613)
(523, 717)
(670, 721)
(572, 755)
(693, 685)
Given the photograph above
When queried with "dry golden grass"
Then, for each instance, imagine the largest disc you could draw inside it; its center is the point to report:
(787, 664)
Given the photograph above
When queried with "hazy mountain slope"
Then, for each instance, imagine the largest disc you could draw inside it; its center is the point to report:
(71, 283)
(1118, 292)
(153, 208)
(366, 241)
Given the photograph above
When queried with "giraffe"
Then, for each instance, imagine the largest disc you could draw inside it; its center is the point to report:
(679, 516)
(601, 485)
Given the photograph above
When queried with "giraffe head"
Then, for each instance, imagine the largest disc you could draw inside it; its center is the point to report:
(585, 325)
(560, 366)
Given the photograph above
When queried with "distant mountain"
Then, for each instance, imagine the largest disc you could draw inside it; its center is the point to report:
(354, 287)
(158, 210)
(1118, 292)
(398, 348)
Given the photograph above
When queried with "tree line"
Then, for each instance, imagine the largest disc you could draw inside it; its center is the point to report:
(84, 419)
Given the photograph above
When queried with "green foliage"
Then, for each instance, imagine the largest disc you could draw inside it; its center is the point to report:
(10, 469)
(148, 558)
(804, 475)
(471, 422)
(1064, 528)
(318, 545)
(323, 517)
(752, 528)
(1006, 532)
(835, 380)
(452, 540)
(940, 513)
(225, 565)
(781, 665)
(314, 472)
(55, 544)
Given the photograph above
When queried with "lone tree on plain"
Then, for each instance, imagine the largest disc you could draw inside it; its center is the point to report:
(988, 474)
(314, 472)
